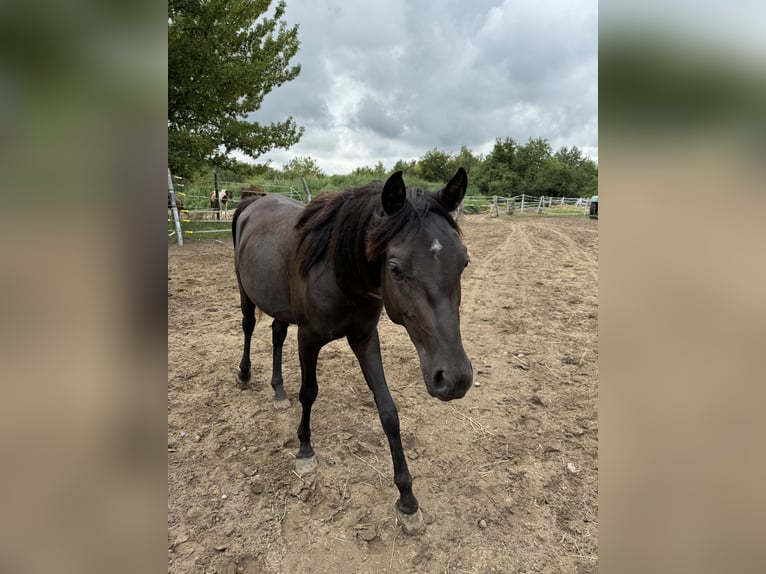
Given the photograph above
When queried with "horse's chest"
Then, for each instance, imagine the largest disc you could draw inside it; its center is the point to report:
(334, 317)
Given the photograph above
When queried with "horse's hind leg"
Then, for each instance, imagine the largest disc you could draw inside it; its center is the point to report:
(248, 325)
(278, 334)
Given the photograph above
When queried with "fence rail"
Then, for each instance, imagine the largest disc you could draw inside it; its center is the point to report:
(527, 205)
(197, 217)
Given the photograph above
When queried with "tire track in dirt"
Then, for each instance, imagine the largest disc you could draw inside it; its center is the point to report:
(532, 292)
(556, 239)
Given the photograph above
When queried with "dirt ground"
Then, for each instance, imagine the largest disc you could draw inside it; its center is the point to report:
(507, 477)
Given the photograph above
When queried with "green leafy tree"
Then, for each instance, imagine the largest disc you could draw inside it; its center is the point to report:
(302, 166)
(586, 181)
(464, 159)
(556, 178)
(567, 174)
(377, 172)
(529, 162)
(403, 165)
(235, 172)
(435, 166)
(495, 175)
(224, 56)
(572, 157)
(583, 171)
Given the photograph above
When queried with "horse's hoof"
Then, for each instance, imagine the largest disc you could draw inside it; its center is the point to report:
(305, 465)
(279, 393)
(243, 382)
(412, 523)
(282, 404)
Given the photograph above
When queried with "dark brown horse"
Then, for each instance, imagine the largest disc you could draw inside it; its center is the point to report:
(251, 191)
(179, 203)
(330, 267)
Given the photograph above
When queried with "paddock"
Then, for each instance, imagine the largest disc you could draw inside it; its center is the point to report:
(507, 477)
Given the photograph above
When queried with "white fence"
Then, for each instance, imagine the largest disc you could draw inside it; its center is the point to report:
(197, 217)
(526, 205)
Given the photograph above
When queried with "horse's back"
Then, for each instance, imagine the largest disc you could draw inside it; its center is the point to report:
(266, 239)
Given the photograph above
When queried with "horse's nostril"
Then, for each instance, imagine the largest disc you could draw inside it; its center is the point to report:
(440, 380)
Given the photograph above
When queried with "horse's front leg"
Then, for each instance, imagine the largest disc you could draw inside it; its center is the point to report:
(367, 351)
(308, 349)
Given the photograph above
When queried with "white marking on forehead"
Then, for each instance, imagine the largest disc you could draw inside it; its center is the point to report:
(436, 247)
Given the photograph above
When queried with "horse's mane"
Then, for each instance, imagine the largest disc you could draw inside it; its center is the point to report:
(352, 228)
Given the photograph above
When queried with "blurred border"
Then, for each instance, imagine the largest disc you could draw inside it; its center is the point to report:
(682, 276)
(683, 314)
(83, 150)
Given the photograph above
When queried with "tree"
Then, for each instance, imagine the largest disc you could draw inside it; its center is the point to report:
(496, 175)
(224, 56)
(235, 172)
(529, 162)
(435, 166)
(590, 185)
(302, 166)
(568, 173)
(556, 178)
(377, 172)
(464, 159)
(584, 172)
(404, 165)
(586, 179)
(570, 156)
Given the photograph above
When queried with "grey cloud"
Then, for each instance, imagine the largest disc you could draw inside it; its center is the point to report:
(394, 79)
(373, 115)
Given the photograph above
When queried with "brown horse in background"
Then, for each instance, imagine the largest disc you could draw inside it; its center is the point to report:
(179, 203)
(331, 267)
(251, 191)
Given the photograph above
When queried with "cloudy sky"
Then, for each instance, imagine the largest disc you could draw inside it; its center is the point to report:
(389, 80)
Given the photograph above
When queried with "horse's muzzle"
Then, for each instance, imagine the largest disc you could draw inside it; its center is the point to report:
(451, 384)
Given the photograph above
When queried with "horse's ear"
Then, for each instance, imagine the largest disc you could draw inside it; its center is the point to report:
(394, 193)
(453, 193)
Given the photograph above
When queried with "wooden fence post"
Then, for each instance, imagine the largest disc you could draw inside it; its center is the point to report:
(494, 206)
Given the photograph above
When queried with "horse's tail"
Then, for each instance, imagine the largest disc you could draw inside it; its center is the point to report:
(242, 205)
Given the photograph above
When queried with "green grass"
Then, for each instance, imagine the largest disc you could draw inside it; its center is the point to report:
(560, 210)
(195, 230)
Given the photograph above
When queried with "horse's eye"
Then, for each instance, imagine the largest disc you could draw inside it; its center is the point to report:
(396, 271)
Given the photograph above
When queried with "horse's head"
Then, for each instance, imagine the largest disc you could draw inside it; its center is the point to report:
(420, 280)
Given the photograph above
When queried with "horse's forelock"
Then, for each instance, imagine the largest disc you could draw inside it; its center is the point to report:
(352, 228)
(419, 205)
